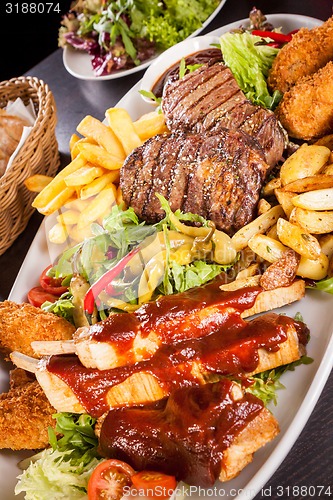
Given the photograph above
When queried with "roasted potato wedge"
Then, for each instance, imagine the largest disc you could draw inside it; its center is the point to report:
(306, 161)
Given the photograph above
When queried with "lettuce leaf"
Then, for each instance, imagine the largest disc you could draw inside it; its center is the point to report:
(250, 64)
(63, 471)
(325, 285)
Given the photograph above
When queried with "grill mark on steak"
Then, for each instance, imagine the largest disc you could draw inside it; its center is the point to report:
(144, 177)
(193, 107)
(186, 163)
(219, 102)
(189, 82)
(163, 173)
(218, 176)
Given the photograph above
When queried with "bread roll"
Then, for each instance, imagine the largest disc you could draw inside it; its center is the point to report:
(11, 128)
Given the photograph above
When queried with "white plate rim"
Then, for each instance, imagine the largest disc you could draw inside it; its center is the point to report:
(69, 53)
(320, 375)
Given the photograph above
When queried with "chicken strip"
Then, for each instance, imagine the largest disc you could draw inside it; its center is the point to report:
(20, 324)
(306, 111)
(25, 414)
(308, 51)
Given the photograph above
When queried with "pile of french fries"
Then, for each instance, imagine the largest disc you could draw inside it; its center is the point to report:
(302, 220)
(85, 190)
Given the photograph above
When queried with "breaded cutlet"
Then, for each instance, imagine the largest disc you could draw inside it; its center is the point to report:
(306, 53)
(20, 324)
(306, 111)
(25, 414)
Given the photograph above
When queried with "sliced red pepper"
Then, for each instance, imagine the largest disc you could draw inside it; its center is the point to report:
(276, 45)
(104, 280)
(277, 37)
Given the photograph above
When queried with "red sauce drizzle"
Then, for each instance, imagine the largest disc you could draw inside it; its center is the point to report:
(184, 435)
(194, 313)
(230, 349)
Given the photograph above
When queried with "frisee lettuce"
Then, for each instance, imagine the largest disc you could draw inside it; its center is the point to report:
(250, 63)
(265, 384)
(63, 471)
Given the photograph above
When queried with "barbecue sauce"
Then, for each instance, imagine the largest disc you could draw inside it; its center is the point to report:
(210, 56)
(231, 347)
(184, 435)
(174, 317)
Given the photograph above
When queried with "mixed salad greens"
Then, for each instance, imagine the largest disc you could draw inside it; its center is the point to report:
(120, 34)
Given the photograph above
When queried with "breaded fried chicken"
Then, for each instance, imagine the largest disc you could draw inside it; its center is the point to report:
(20, 324)
(25, 414)
(306, 111)
(308, 51)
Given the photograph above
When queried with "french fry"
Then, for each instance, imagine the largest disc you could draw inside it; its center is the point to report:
(79, 234)
(150, 124)
(68, 217)
(120, 122)
(104, 136)
(259, 225)
(306, 161)
(84, 175)
(98, 184)
(299, 240)
(314, 222)
(73, 140)
(267, 248)
(58, 185)
(58, 234)
(77, 204)
(272, 232)
(36, 183)
(319, 181)
(286, 200)
(75, 151)
(271, 185)
(328, 170)
(263, 206)
(241, 283)
(326, 141)
(326, 243)
(119, 198)
(58, 201)
(98, 156)
(313, 269)
(252, 270)
(97, 207)
(321, 199)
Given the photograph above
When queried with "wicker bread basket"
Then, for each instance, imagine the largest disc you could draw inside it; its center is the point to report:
(38, 155)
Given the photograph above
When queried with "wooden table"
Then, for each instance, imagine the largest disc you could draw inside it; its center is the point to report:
(309, 463)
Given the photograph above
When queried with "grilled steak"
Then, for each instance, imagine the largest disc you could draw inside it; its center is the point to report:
(218, 176)
(209, 98)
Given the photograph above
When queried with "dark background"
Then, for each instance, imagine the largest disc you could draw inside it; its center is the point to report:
(26, 39)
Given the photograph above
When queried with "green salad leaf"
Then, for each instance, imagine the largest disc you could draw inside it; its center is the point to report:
(62, 307)
(250, 62)
(325, 285)
(63, 471)
(266, 384)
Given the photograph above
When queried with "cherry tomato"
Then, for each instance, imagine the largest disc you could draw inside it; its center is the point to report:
(37, 296)
(52, 285)
(109, 479)
(154, 484)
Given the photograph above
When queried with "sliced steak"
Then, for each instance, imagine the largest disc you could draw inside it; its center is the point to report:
(210, 98)
(217, 175)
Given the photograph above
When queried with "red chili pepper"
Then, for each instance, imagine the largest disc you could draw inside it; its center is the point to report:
(276, 45)
(277, 37)
(104, 280)
(293, 32)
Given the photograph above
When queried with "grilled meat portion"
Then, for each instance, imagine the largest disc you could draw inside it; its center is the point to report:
(218, 176)
(209, 99)
(197, 434)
